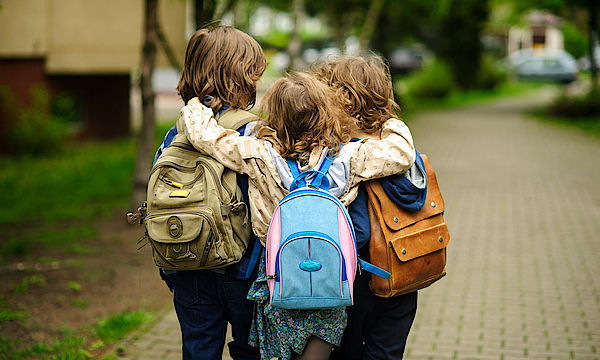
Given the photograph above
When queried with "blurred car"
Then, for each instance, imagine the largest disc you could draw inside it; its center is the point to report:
(556, 66)
(404, 60)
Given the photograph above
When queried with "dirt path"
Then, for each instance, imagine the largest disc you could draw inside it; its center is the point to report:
(107, 276)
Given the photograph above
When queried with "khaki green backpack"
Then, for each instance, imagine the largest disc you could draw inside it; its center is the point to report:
(196, 217)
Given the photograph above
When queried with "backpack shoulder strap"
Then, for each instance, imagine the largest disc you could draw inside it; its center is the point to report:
(295, 170)
(234, 118)
(230, 119)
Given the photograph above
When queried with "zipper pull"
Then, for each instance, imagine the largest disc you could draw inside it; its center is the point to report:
(176, 184)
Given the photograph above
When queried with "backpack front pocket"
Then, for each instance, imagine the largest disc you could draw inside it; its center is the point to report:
(310, 273)
(185, 239)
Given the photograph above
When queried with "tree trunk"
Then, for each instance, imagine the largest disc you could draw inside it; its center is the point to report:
(295, 44)
(221, 8)
(146, 138)
(370, 23)
(593, 9)
(166, 46)
(204, 12)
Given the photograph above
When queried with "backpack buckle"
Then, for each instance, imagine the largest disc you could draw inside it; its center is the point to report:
(138, 216)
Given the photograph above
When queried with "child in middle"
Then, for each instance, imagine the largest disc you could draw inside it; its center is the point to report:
(377, 327)
(306, 123)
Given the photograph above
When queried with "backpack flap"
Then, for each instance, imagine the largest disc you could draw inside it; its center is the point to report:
(185, 240)
(421, 243)
(174, 229)
(413, 234)
(397, 218)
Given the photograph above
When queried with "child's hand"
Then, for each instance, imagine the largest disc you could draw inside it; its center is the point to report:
(193, 100)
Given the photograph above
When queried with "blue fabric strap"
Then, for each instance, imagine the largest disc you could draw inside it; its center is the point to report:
(374, 269)
(319, 181)
(298, 180)
(326, 164)
(253, 258)
(321, 174)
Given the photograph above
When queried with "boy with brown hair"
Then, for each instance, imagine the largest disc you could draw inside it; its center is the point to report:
(377, 327)
(222, 67)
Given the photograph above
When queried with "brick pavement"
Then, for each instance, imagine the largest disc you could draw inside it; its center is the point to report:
(523, 208)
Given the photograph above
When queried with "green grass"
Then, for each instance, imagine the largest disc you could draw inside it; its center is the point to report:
(115, 327)
(7, 315)
(71, 344)
(588, 125)
(84, 181)
(90, 180)
(59, 196)
(33, 280)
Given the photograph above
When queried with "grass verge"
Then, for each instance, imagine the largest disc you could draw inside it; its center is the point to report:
(588, 125)
(54, 199)
(78, 345)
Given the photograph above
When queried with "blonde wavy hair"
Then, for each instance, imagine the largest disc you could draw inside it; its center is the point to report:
(300, 108)
(365, 85)
(222, 62)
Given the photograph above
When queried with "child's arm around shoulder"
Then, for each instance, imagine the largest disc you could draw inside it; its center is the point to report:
(393, 154)
(224, 145)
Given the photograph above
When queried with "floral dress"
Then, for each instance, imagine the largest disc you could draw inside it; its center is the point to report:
(276, 332)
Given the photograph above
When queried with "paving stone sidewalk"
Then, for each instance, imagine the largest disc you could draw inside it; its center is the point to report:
(523, 208)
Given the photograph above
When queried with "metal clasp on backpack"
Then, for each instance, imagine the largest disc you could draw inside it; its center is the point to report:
(138, 216)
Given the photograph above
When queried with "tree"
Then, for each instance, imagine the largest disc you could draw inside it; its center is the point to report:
(593, 39)
(460, 37)
(295, 44)
(146, 137)
(350, 17)
(370, 23)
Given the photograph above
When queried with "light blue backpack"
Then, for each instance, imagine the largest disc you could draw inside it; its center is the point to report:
(311, 247)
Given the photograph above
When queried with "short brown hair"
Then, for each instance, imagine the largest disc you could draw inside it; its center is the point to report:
(300, 109)
(365, 85)
(225, 63)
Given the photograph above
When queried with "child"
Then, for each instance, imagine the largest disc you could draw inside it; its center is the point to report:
(306, 123)
(222, 67)
(377, 327)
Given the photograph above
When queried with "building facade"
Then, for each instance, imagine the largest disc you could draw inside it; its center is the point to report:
(89, 50)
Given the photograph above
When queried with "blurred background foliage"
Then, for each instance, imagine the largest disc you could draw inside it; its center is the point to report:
(438, 51)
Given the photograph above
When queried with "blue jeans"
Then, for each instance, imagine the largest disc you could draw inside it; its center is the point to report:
(377, 327)
(205, 301)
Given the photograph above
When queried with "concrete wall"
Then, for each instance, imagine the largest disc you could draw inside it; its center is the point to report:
(86, 36)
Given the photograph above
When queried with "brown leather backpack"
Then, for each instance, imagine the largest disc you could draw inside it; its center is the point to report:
(411, 245)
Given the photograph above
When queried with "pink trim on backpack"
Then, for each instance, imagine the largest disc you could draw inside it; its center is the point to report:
(348, 249)
(272, 247)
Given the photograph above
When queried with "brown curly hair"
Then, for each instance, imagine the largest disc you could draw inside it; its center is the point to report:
(365, 85)
(225, 63)
(300, 109)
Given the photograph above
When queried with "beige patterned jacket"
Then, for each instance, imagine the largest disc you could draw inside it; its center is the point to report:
(393, 154)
